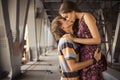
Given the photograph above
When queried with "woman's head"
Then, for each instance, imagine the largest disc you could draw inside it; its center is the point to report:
(68, 10)
(60, 26)
(68, 6)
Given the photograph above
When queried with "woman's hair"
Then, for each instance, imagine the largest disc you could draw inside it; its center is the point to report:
(75, 26)
(68, 6)
(56, 28)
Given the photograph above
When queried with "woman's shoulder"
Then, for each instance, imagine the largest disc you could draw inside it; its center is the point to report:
(88, 16)
(85, 15)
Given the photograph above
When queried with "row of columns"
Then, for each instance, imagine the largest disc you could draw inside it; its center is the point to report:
(110, 44)
(15, 16)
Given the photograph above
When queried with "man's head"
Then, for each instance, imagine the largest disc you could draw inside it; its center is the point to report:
(60, 26)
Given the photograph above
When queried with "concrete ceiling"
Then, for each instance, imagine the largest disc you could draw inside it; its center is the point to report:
(51, 6)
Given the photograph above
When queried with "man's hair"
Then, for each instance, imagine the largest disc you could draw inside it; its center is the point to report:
(56, 28)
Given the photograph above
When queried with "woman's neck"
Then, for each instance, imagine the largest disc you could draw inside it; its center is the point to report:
(79, 15)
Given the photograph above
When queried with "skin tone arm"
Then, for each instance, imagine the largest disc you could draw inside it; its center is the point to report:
(91, 22)
(80, 65)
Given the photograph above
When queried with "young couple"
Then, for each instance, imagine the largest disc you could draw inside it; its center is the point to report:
(77, 36)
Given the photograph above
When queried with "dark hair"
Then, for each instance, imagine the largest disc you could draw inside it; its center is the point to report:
(56, 28)
(68, 6)
(75, 27)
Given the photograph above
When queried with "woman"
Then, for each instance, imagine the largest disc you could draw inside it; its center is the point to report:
(87, 35)
(67, 50)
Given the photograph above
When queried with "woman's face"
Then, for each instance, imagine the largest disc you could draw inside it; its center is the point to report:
(69, 16)
(66, 25)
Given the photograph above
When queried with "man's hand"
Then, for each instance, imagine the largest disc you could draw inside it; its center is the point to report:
(97, 55)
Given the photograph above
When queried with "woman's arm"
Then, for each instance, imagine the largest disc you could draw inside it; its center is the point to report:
(69, 54)
(80, 65)
(91, 23)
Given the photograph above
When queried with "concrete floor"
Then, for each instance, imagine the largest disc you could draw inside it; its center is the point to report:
(48, 69)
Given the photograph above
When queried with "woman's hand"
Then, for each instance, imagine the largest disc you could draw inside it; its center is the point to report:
(69, 36)
(97, 55)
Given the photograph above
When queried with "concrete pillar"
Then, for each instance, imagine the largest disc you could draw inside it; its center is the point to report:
(5, 34)
(23, 13)
(116, 42)
(106, 31)
(31, 30)
(38, 37)
(17, 15)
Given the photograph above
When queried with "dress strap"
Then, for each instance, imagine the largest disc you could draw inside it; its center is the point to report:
(81, 18)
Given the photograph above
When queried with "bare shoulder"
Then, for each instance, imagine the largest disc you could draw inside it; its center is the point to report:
(89, 16)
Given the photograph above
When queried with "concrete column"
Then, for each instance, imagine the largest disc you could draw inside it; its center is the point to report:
(13, 16)
(31, 30)
(39, 18)
(105, 32)
(5, 34)
(116, 42)
(38, 37)
(24, 5)
(17, 15)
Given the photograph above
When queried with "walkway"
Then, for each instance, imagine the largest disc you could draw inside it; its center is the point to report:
(48, 69)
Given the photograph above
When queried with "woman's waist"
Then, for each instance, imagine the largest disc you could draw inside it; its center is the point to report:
(88, 46)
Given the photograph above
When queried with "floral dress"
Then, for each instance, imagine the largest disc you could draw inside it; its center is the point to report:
(92, 72)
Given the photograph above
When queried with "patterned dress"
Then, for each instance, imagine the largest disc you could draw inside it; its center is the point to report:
(92, 72)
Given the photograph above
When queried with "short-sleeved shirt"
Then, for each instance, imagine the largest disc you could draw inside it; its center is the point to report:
(67, 50)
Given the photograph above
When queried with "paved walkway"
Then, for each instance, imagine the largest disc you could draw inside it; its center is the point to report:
(48, 69)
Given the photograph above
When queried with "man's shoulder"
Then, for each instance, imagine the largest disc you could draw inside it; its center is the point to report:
(65, 39)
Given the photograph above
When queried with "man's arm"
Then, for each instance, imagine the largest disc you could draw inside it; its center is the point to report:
(80, 65)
